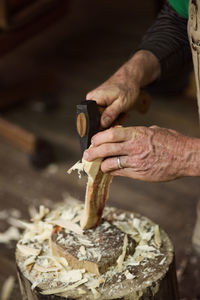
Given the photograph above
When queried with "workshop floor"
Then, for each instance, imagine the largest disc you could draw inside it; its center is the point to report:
(80, 60)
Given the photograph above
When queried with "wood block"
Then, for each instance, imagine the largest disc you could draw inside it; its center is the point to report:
(104, 245)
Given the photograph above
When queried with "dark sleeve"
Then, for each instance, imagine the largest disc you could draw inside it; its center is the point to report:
(167, 39)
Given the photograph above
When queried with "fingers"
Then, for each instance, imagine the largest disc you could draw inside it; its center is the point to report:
(128, 172)
(111, 113)
(105, 150)
(104, 95)
(111, 164)
(112, 135)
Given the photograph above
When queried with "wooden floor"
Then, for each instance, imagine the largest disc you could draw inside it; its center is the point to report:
(81, 59)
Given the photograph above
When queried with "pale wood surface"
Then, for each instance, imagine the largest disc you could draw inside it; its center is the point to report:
(82, 57)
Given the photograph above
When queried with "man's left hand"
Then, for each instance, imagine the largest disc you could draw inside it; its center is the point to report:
(146, 153)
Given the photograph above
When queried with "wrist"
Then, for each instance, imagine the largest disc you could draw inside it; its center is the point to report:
(191, 154)
(142, 69)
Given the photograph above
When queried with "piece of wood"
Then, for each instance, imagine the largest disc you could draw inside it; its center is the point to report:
(140, 278)
(97, 191)
(18, 136)
(106, 242)
(40, 150)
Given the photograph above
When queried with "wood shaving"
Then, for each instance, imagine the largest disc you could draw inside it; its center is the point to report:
(157, 237)
(162, 261)
(82, 250)
(96, 294)
(7, 288)
(46, 269)
(128, 275)
(64, 288)
(27, 251)
(3, 214)
(10, 234)
(79, 167)
(121, 258)
(43, 211)
(68, 225)
(81, 291)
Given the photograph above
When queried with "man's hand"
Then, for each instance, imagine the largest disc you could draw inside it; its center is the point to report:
(119, 93)
(149, 154)
(116, 97)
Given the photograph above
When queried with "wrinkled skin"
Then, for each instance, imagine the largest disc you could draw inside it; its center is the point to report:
(117, 98)
(119, 93)
(146, 153)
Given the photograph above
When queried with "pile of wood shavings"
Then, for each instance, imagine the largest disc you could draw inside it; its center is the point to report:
(53, 275)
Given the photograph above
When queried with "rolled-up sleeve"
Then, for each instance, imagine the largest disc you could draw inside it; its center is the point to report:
(167, 39)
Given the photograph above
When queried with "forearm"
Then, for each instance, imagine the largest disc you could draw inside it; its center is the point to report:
(191, 157)
(167, 39)
(142, 69)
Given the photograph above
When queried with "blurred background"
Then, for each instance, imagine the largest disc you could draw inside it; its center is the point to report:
(51, 54)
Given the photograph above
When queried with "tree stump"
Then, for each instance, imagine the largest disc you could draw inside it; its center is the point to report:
(139, 266)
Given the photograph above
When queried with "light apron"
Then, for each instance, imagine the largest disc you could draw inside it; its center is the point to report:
(194, 39)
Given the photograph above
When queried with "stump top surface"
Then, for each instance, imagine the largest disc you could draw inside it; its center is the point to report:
(101, 246)
(136, 272)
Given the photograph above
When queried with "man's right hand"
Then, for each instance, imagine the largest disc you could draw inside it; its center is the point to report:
(116, 97)
(119, 93)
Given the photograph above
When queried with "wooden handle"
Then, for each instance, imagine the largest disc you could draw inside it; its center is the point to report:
(40, 151)
(18, 136)
(81, 124)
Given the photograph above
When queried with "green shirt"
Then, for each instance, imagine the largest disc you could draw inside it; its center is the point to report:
(181, 7)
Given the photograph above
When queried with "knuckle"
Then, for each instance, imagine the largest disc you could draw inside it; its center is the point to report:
(154, 127)
(108, 164)
(104, 150)
(112, 134)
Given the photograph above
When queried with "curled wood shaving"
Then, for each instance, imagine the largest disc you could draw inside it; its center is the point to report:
(162, 261)
(11, 234)
(121, 258)
(145, 248)
(78, 166)
(46, 269)
(15, 222)
(29, 261)
(64, 289)
(157, 237)
(68, 225)
(72, 276)
(7, 288)
(96, 294)
(43, 211)
(82, 250)
(128, 275)
(27, 251)
(81, 291)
